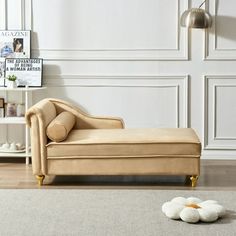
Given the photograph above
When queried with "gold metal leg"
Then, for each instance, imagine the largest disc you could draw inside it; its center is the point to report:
(40, 179)
(194, 179)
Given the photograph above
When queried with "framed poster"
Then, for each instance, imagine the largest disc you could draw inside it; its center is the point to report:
(27, 71)
(14, 44)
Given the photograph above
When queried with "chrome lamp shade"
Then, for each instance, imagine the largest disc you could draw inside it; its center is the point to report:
(196, 18)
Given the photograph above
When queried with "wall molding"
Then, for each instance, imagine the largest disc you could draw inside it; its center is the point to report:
(215, 136)
(210, 140)
(179, 83)
(28, 14)
(3, 14)
(23, 15)
(211, 50)
(180, 52)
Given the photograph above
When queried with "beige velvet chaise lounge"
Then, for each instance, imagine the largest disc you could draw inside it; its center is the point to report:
(66, 141)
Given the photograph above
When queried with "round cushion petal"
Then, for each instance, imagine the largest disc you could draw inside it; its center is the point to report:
(220, 210)
(189, 215)
(207, 215)
(209, 202)
(195, 200)
(173, 211)
(180, 200)
(165, 206)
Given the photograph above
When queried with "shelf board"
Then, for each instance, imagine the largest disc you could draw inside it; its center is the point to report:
(21, 89)
(12, 120)
(12, 154)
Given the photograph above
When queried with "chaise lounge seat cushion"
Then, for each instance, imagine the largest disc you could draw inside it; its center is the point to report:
(126, 143)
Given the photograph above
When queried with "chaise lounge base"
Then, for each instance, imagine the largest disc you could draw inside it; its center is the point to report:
(101, 146)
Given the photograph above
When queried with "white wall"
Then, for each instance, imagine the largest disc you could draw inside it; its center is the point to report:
(130, 58)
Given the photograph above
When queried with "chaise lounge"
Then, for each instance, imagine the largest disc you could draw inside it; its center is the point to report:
(66, 141)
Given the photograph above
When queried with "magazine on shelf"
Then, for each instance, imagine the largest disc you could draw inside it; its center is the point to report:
(15, 44)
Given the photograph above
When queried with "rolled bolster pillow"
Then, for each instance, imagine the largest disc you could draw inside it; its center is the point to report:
(59, 128)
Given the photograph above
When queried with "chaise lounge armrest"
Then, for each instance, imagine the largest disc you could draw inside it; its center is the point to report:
(39, 116)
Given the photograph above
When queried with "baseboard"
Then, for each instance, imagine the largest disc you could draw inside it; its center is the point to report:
(219, 156)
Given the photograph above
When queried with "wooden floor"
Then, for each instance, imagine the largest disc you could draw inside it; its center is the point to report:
(215, 175)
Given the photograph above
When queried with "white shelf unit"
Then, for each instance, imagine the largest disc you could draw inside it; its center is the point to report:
(19, 120)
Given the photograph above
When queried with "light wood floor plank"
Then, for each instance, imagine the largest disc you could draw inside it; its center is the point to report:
(215, 175)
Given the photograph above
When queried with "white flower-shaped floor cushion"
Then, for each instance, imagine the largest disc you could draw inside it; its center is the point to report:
(193, 209)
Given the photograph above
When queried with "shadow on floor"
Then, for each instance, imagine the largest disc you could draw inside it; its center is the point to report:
(120, 180)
